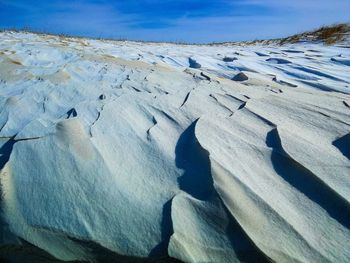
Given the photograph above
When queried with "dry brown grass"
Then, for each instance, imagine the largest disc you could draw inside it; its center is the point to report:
(16, 62)
(327, 34)
(333, 34)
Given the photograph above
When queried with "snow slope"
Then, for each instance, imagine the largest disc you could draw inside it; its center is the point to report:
(153, 150)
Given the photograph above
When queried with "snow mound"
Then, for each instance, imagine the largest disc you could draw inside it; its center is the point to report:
(141, 151)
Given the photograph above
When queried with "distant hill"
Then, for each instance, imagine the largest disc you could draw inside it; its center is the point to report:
(328, 34)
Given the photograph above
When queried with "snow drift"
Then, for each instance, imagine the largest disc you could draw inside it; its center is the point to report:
(135, 151)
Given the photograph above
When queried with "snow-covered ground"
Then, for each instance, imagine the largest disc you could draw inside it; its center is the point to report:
(154, 150)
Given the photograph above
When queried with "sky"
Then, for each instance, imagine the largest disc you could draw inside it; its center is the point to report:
(192, 21)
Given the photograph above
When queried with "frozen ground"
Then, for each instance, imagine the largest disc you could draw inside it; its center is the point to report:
(227, 153)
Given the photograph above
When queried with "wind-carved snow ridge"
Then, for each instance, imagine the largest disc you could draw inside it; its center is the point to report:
(139, 152)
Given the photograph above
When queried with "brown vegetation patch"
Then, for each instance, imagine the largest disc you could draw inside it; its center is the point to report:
(327, 34)
(333, 34)
(16, 62)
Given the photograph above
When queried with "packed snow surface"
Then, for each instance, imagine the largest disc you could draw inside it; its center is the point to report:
(222, 153)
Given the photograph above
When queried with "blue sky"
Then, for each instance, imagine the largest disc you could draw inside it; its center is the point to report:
(182, 20)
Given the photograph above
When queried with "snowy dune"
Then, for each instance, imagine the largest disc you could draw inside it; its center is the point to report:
(226, 153)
